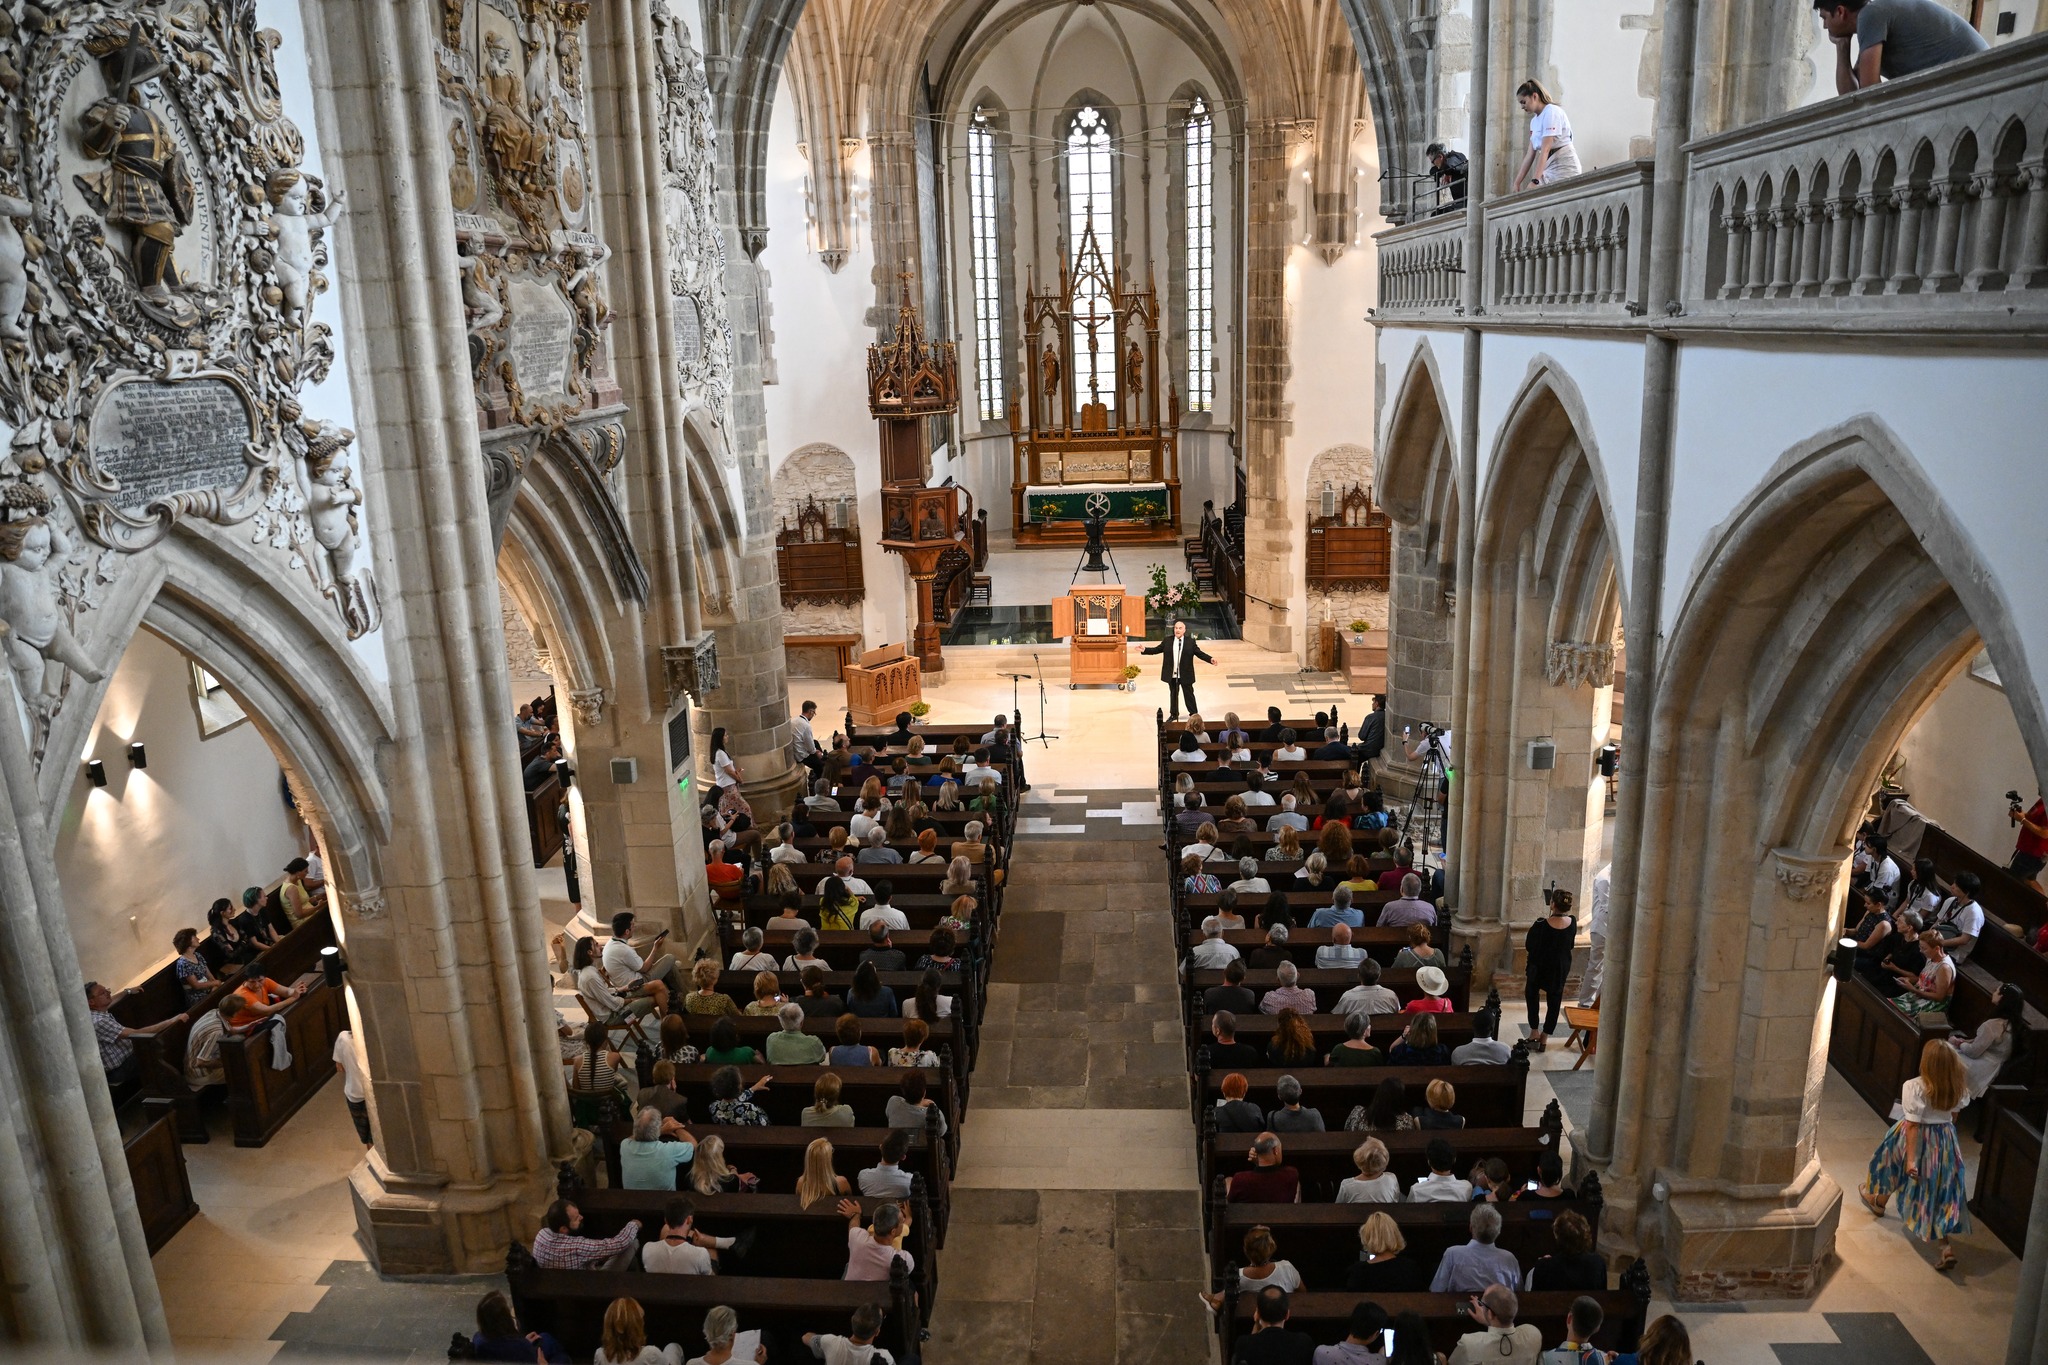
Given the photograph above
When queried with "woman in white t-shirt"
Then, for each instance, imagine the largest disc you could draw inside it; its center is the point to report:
(1918, 1159)
(724, 771)
(1263, 1267)
(1374, 1183)
(1551, 156)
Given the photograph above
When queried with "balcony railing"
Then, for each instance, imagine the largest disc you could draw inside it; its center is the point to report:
(1578, 246)
(1932, 185)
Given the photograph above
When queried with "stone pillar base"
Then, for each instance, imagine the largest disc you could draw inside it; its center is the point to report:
(419, 1228)
(1486, 940)
(1725, 1247)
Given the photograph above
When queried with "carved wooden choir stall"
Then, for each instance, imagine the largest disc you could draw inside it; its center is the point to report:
(910, 380)
(1099, 624)
(1099, 443)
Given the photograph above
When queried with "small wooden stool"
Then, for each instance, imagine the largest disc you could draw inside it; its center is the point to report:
(1584, 1022)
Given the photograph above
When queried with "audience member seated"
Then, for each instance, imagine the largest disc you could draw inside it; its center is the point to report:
(1292, 1043)
(1338, 953)
(1362, 1337)
(1499, 1341)
(1287, 817)
(1472, 1267)
(732, 1103)
(1581, 1323)
(1270, 1180)
(1575, 1264)
(1435, 997)
(1380, 1267)
(1194, 881)
(1374, 1183)
(625, 1339)
(203, 1064)
(1490, 1179)
(1273, 952)
(238, 938)
(1368, 996)
(887, 1179)
(724, 877)
(817, 1001)
(1248, 878)
(726, 1049)
(706, 998)
(661, 1096)
(1436, 1113)
(1357, 1048)
(193, 976)
(789, 1045)
(1899, 951)
(826, 1111)
(1233, 996)
(1665, 1342)
(559, 1246)
(1339, 912)
(1314, 875)
(675, 1041)
(597, 1080)
(711, 1174)
(1927, 992)
(869, 998)
(912, 1105)
(1212, 952)
(646, 1160)
(117, 1054)
(1485, 1046)
(721, 1332)
(804, 952)
(838, 905)
(1386, 1112)
(1440, 1185)
(913, 1052)
(1419, 1046)
(768, 999)
(1395, 877)
(1409, 908)
(927, 1003)
(1270, 1342)
(498, 1336)
(847, 1048)
(856, 1349)
(1419, 952)
(605, 1000)
(1262, 1268)
(681, 1249)
(819, 1181)
(1548, 1183)
(751, 957)
(871, 1251)
(1291, 1117)
(1288, 994)
(1235, 1113)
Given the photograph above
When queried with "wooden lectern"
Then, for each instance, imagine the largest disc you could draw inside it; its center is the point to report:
(1098, 623)
(883, 683)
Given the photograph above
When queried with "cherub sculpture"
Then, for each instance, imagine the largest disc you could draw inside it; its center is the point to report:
(14, 258)
(37, 634)
(296, 233)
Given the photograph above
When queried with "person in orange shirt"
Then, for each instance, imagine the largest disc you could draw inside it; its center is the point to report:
(257, 997)
(724, 877)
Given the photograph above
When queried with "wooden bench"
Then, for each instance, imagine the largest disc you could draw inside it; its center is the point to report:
(571, 1304)
(791, 1241)
(1329, 984)
(1452, 1030)
(1488, 1096)
(755, 1029)
(866, 1089)
(2008, 1163)
(1324, 1159)
(1322, 1239)
(1381, 945)
(1326, 1316)
(156, 1168)
(961, 985)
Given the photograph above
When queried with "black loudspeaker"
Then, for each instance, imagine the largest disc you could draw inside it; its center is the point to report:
(1094, 564)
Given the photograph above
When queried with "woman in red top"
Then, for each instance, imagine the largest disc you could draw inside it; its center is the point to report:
(1435, 997)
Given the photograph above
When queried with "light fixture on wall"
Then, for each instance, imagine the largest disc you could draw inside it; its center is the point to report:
(138, 756)
(839, 515)
(565, 772)
(96, 772)
(1845, 959)
(332, 965)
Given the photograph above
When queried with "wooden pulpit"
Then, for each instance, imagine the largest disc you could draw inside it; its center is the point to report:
(885, 682)
(1098, 623)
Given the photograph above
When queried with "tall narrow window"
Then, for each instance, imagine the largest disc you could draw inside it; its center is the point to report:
(1091, 229)
(1201, 250)
(988, 280)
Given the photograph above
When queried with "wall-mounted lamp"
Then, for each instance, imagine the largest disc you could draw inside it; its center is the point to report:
(138, 756)
(332, 965)
(96, 772)
(565, 772)
(1845, 959)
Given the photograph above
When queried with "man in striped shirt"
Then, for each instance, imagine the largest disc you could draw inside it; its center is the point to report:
(558, 1247)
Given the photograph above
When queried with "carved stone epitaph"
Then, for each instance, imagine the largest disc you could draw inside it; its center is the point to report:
(161, 245)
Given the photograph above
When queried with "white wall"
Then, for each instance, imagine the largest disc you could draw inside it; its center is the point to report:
(145, 855)
(1962, 755)
(1600, 70)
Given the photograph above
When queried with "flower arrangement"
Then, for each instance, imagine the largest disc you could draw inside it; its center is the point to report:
(1360, 627)
(920, 709)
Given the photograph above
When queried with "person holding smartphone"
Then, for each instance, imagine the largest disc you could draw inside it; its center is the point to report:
(627, 970)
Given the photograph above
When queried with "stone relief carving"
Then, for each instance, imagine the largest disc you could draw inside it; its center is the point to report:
(587, 705)
(161, 246)
(696, 243)
(690, 669)
(1577, 663)
(1803, 876)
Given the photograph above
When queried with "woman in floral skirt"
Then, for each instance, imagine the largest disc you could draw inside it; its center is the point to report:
(1918, 1159)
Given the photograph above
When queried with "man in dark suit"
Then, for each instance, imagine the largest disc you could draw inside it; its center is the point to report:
(1177, 668)
(1372, 731)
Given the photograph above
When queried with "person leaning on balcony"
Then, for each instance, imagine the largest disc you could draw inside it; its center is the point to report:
(1551, 156)
(1894, 38)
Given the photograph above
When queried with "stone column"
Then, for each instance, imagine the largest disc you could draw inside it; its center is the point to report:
(447, 957)
(1271, 503)
(78, 1273)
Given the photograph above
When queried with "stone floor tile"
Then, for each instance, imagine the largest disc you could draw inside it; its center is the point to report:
(1158, 1209)
(982, 1263)
(1176, 1338)
(1150, 1254)
(969, 1333)
(993, 1207)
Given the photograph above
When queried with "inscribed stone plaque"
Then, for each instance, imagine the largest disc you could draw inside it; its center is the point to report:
(543, 330)
(689, 325)
(159, 439)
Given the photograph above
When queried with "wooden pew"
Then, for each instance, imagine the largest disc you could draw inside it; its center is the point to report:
(866, 1088)
(156, 1168)
(790, 1240)
(1322, 1239)
(1324, 1159)
(1326, 1316)
(961, 985)
(1452, 1030)
(922, 880)
(1329, 984)
(1381, 945)
(2006, 1168)
(755, 1030)
(261, 1100)
(1488, 1096)
(571, 1305)
(161, 1056)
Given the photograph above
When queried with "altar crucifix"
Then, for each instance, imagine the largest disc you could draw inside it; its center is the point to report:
(1098, 439)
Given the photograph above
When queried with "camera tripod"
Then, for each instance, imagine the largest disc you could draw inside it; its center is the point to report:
(1428, 797)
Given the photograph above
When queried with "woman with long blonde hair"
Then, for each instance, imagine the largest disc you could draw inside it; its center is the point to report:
(709, 1173)
(1919, 1160)
(625, 1339)
(819, 1181)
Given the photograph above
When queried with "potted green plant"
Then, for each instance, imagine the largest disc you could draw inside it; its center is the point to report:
(1130, 677)
(919, 710)
(1358, 630)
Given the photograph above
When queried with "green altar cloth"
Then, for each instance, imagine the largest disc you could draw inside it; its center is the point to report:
(1124, 502)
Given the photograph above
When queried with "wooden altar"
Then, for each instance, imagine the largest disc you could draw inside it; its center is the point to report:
(1099, 624)
(885, 682)
(1098, 442)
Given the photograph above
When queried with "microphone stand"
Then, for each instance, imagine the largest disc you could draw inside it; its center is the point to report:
(1044, 736)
